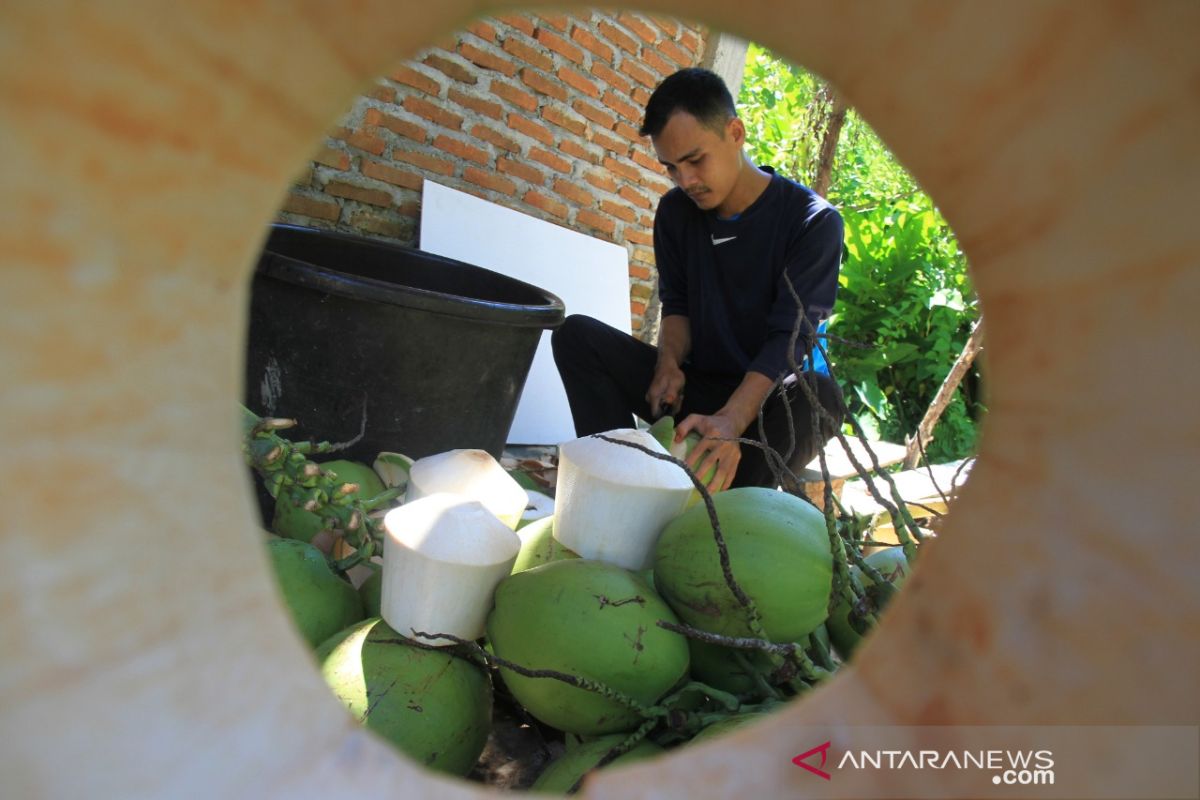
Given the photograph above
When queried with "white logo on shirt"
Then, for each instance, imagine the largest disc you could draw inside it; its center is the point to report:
(716, 241)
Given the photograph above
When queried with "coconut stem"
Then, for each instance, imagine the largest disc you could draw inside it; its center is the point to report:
(290, 477)
(493, 660)
(616, 751)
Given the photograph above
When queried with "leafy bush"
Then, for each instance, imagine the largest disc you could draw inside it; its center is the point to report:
(904, 288)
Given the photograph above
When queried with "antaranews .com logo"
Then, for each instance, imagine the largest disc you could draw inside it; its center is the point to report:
(1006, 767)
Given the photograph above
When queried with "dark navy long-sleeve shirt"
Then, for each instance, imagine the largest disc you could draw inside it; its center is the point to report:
(726, 276)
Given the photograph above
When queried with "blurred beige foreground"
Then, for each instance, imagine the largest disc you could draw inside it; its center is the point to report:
(146, 144)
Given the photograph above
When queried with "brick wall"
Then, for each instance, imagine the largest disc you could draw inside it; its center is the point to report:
(535, 112)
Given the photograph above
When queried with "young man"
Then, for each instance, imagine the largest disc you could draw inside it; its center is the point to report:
(726, 240)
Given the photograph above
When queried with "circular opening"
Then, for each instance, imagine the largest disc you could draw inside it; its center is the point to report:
(901, 259)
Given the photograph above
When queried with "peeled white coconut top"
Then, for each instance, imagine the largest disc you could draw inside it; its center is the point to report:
(471, 473)
(624, 465)
(450, 528)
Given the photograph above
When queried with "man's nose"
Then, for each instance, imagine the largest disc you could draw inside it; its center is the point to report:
(686, 177)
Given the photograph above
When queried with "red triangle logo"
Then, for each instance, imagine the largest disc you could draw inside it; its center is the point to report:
(823, 749)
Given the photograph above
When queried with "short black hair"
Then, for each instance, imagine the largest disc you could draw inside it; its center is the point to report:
(697, 91)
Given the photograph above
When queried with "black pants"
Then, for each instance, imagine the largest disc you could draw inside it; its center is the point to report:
(606, 374)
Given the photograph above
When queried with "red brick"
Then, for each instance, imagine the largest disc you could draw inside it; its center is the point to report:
(350, 191)
(578, 81)
(425, 161)
(540, 83)
(363, 140)
(619, 37)
(617, 210)
(476, 104)
(451, 69)
(417, 80)
(559, 21)
(555, 116)
(531, 56)
(559, 45)
(389, 174)
(601, 180)
(610, 77)
(655, 62)
(629, 132)
(317, 208)
(484, 31)
(640, 291)
(385, 94)
(639, 237)
(531, 128)
(643, 273)
(489, 180)
(619, 105)
(521, 170)
(639, 27)
(371, 222)
(495, 138)
(577, 150)
(690, 41)
(461, 149)
(519, 21)
(595, 114)
(332, 157)
(582, 197)
(550, 206)
(681, 57)
(409, 130)
(634, 196)
(623, 169)
(517, 97)
(643, 255)
(588, 42)
(486, 60)
(642, 76)
(647, 162)
(646, 221)
(551, 160)
(596, 221)
(637, 308)
(665, 24)
(611, 143)
(410, 209)
(640, 96)
(429, 111)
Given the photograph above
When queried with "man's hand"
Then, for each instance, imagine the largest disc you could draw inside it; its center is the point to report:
(665, 394)
(715, 448)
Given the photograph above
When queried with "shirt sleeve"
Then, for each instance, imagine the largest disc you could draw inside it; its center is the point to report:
(672, 276)
(814, 256)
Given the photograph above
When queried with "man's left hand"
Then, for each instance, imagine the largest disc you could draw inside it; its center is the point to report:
(717, 449)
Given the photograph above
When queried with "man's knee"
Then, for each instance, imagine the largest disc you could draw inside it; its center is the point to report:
(573, 330)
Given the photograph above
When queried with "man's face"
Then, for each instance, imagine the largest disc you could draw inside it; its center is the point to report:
(701, 161)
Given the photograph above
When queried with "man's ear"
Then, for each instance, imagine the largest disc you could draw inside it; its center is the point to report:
(736, 129)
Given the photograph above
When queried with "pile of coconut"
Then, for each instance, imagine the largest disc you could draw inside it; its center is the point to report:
(631, 614)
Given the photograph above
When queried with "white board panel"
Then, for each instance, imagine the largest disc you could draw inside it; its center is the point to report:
(591, 276)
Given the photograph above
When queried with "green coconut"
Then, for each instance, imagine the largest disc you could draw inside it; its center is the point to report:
(779, 554)
(590, 619)
(720, 668)
(565, 771)
(295, 523)
(320, 602)
(434, 707)
(893, 566)
(538, 545)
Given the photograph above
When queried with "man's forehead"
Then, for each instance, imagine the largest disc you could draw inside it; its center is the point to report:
(681, 137)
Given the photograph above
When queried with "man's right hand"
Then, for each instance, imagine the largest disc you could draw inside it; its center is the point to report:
(665, 395)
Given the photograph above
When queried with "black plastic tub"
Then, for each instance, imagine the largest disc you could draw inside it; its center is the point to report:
(388, 347)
